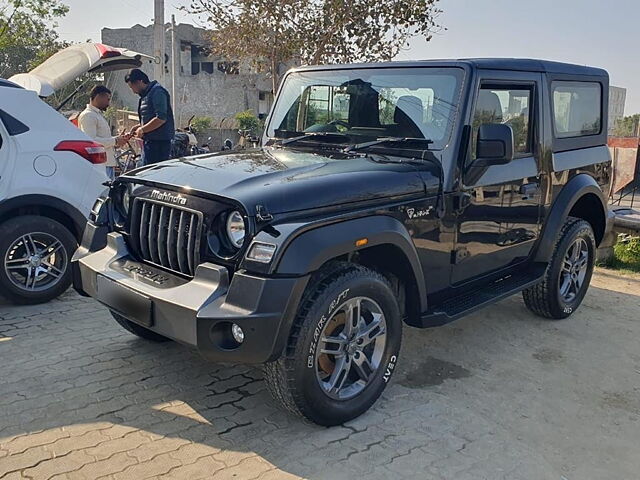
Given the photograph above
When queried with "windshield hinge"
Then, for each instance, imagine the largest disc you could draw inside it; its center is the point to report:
(262, 214)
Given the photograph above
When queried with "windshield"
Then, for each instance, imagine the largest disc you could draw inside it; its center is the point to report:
(367, 104)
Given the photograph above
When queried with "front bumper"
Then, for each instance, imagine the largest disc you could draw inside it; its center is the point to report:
(195, 312)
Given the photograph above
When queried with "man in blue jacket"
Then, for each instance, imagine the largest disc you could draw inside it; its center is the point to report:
(156, 126)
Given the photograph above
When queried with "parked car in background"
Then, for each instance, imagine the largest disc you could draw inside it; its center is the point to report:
(50, 174)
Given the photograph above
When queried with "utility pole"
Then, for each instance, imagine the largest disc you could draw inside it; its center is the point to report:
(158, 40)
(174, 67)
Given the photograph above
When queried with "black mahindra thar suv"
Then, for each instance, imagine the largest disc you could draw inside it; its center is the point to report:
(382, 195)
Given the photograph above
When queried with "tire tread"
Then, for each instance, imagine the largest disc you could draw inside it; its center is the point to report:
(538, 298)
(279, 375)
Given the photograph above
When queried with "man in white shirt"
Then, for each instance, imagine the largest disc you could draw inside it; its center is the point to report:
(93, 123)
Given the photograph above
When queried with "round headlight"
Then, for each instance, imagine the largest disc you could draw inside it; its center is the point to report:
(126, 200)
(236, 229)
(121, 201)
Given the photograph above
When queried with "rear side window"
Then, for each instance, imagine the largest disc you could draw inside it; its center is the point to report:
(12, 124)
(577, 109)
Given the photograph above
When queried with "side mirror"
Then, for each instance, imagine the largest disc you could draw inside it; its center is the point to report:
(495, 145)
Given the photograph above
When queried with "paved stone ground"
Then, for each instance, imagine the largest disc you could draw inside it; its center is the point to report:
(499, 395)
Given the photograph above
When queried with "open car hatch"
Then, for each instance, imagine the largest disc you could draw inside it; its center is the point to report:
(72, 62)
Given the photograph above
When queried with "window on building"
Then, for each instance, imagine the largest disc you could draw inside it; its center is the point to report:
(577, 108)
(195, 68)
(264, 103)
(206, 67)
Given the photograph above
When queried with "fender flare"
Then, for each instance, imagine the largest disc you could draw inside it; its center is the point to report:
(579, 186)
(78, 220)
(307, 251)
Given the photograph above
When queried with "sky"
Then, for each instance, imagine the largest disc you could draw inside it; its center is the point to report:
(588, 32)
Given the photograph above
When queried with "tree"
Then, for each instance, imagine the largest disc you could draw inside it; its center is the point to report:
(270, 33)
(627, 126)
(27, 33)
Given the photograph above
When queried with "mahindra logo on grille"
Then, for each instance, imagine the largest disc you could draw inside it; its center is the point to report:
(169, 198)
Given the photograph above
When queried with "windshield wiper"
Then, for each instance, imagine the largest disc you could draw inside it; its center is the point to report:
(311, 135)
(382, 141)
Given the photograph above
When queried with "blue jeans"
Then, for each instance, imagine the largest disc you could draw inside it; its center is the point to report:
(156, 151)
(111, 173)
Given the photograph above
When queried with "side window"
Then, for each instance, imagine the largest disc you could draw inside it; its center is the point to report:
(12, 124)
(507, 105)
(577, 109)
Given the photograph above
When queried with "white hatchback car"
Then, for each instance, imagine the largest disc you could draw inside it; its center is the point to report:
(50, 174)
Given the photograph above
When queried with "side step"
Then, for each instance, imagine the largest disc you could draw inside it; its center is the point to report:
(470, 301)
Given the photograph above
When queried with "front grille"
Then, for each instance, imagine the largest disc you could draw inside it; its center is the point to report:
(166, 235)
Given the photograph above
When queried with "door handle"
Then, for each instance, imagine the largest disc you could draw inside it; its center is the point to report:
(528, 190)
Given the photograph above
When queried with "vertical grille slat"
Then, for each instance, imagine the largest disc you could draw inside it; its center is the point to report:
(153, 233)
(161, 237)
(144, 230)
(167, 236)
(172, 251)
(183, 263)
(191, 242)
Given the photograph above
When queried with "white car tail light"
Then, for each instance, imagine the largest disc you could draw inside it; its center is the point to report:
(92, 151)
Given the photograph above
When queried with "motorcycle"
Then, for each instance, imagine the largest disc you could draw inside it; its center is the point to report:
(185, 142)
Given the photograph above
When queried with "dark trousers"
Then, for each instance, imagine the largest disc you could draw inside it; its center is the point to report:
(156, 151)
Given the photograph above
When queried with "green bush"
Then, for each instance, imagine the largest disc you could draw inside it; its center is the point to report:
(248, 121)
(626, 253)
(200, 124)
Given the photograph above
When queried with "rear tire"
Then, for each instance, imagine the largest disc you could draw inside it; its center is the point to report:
(137, 330)
(35, 252)
(568, 274)
(330, 389)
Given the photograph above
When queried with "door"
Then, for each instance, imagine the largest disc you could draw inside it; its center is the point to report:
(499, 210)
(72, 62)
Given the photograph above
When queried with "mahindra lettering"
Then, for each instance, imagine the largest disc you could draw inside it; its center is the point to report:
(383, 196)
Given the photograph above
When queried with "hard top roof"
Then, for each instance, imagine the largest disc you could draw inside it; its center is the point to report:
(515, 64)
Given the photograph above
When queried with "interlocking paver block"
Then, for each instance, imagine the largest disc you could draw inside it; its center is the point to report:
(127, 442)
(202, 468)
(147, 451)
(59, 465)
(77, 442)
(102, 468)
(156, 467)
(22, 442)
(249, 468)
(20, 461)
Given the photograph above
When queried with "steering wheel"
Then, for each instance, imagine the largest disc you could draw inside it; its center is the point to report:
(342, 123)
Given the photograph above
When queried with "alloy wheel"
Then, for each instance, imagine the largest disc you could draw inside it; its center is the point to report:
(351, 347)
(574, 270)
(36, 261)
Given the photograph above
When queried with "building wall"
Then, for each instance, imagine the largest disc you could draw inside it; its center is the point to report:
(617, 99)
(218, 95)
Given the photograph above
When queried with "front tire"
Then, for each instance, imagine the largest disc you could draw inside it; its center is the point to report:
(35, 252)
(568, 275)
(342, 349)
